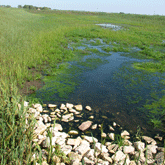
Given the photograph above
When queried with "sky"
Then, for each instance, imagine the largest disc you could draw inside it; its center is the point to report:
(149, 7)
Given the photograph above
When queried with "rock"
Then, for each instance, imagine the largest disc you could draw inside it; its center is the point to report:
(73, 132)
(110, 148)
(46, 142)
(38, 107)
(91, 117)
(161, 149)
(74, 111)
(44, 163)
(85, 125)
(128, 149)
(103, 135)
(59, 135)
(158, 137)
(40, 128)
(94, 126)
(118, 156)
(52, 113)
(88, 161)
(75, 158)
(139, 145)
(83, 148)
(114, 124)
(52, 105)
(56, 159)
(90, 154)
(26, 104)
(124, 133)
(160, 158)
(149, 140)
(100, 147)
(57, 127)
(57, 111)
(88, 108)
(106, 157)
(78, 107)
(74, 142)
(68, 117)
(112, 136)
(76, 121)
(152, 148)
(45, 118)
(140, 156)
(127, 143)
(69, 106)
(132, 162)
(66, 149)
(111, 128)
(90, 139)
(108, 144)
(63, 106)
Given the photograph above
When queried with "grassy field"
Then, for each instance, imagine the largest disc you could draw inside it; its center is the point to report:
(34, 42)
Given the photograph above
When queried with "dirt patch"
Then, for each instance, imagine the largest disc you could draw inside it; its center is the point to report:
(31, 86)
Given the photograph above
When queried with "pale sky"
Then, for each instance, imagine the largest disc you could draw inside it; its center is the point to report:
(149, 7)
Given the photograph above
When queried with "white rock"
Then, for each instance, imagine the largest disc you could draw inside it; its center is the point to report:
(38, 107)
(74, 142)
(57, 111)
(90, 139)
(114, 124)
(57, 127)
(83, 148)
(85, 125)
(128, 149)
(78, 107)
(103, 135)
(139, 145)
(52, 105)
(111, 136)
(118, 156)
(94, 126)
(66, 149)
(68, 117)
(91, 117)
(88, 108)
(124, 133)
(111, 128)
(63, 106)
(69, 106)
(149, 140)
(26, 103)
(100, 147)
(88, 161)
(73, 132)
(40, 128)
(152, 148)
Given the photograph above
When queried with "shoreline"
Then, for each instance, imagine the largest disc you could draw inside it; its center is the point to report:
(82, 147)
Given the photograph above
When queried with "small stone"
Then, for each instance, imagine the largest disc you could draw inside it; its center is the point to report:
(104, 156)
(66, 149)
(45, 111)
(132, 162)
(78, 107)
(118, 156)
(85, 125)
(73, 132)
(158, 137)
(90, 139)
(58, 127)
(111, 128)
(152, 148)
(149, 140)
(63, 106)
(139, 145)
(83, 148)
(76, 121)
(128, 149)
(112, 136)
(91, 117)
(74, 142)
(26, 103)
(94, 126)
(52, 105)
(38, 107)
(114, 124)
(124, 133)
(88, 108)
(160, 158)
(69, 106)
(57, 111)
(103, 135)
(100, 147)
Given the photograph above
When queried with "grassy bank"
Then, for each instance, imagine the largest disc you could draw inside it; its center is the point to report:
(34, 42)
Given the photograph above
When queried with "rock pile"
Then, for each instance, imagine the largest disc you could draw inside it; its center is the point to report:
(87, 149)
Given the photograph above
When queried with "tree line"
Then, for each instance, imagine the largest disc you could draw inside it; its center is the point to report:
(30, 7)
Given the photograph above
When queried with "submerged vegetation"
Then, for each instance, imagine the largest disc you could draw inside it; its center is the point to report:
(35, 44)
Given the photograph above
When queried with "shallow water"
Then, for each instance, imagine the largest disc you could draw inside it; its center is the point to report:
(114, 27)
(113, 88)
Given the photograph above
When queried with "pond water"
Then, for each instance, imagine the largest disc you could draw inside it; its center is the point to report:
(114, 27)
(108, 83)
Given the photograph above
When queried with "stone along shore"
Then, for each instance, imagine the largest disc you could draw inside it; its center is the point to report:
(87, 149)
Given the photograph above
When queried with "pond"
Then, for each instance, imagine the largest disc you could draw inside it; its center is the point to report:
(106, 81)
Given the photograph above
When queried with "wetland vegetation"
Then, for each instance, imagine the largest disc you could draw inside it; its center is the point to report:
(35, 48)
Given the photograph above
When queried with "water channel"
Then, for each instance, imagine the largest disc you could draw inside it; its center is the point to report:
(108, 83)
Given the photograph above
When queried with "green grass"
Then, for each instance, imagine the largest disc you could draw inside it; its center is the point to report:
(38, 41)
